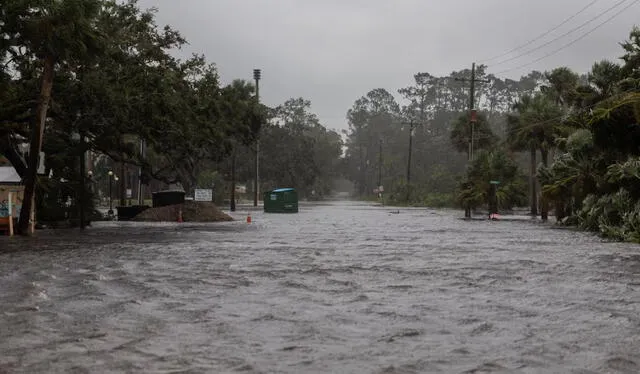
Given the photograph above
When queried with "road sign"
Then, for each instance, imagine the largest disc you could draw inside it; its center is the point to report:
(494, 182)
(203, 194)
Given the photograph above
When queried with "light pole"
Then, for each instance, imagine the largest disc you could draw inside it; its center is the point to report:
(256, 75)
(110, 212)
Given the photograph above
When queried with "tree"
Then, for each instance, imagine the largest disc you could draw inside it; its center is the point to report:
(372, 117)
(535, 126)
(492, 165)
(483, 137)
(572, 176)
(53, 32)
(297, 151)
(561, 87)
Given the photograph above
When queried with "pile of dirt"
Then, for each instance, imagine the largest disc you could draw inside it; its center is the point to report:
(192, 211)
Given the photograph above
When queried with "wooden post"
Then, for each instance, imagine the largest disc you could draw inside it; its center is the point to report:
(10, 209)
(32, 216)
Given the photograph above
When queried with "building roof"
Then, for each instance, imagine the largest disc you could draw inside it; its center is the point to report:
(283, 190)
(8, 175)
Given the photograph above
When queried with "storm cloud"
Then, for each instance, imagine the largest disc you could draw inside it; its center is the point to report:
(332, 52)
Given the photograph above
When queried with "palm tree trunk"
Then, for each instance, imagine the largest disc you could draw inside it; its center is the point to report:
(28, 201)
(532, 183)
(544, 209)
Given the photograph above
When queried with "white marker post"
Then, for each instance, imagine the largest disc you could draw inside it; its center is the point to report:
(10, 209)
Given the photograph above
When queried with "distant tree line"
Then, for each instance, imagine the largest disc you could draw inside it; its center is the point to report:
(576, 135)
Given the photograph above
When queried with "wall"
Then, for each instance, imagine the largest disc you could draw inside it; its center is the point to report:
(18, 193)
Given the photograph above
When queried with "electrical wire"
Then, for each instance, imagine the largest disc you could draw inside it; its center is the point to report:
(526, 53)
(543, 34)
(571, 42)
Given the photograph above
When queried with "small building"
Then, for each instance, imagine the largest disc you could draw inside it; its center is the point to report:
(10, 183)
(281, 200)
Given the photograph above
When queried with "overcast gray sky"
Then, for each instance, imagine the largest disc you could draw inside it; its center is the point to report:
(334, 51)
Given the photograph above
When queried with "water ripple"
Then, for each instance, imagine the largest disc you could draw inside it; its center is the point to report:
(340, 287)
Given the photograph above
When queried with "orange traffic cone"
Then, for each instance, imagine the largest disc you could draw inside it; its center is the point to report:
(249, 217)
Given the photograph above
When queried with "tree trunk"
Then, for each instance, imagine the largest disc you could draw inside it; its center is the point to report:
(37, 137)
(123, 184)
(532, 183)
(544, 209)
(232, 203)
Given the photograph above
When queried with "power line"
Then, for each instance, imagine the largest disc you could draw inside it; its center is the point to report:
(571, 42)
(543, 34)
(526, 53)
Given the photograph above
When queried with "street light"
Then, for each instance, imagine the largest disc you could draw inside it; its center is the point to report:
(256, 183)
(110, 212)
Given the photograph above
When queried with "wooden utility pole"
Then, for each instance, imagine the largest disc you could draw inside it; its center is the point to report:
(256, 76)
(380, 165)
(140, 184)
(83, 179)
(472, 91)
(412, 125)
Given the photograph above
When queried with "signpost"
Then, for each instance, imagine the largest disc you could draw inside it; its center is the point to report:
(10, 211)
(203, 194)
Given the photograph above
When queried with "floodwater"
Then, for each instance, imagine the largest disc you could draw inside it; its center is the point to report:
(341, 287)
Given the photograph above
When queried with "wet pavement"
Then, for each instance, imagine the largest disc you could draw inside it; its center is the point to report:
(340, 287)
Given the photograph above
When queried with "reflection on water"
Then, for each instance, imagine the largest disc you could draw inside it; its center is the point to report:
(338, 287)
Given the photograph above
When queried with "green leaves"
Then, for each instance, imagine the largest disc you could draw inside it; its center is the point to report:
(493, 165)
(483, 136)
(297, 151)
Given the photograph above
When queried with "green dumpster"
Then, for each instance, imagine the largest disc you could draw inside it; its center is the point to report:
(281, 200)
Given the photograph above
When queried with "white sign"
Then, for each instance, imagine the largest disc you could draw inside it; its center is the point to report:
(41, 168)
(203, 195)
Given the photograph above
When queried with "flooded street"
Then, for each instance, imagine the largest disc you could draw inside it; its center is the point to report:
(341, 287)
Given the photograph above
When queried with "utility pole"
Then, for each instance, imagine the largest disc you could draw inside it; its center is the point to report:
(472, 117)
(83, 179)
(380, 165)
(140, 185)
(412, 125)
(256, 76)
(380, 188)
(410, 93)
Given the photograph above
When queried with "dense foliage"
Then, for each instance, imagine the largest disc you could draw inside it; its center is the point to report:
(580, 134)
(594, 180)
(101, 76)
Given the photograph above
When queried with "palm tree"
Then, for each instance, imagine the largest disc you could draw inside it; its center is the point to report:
(562, 86)
(522, 140)
(483, 137)
(573, 175)
(533, 126)
(491, 165)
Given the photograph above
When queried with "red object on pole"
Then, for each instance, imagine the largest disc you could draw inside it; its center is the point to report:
(474, 116)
